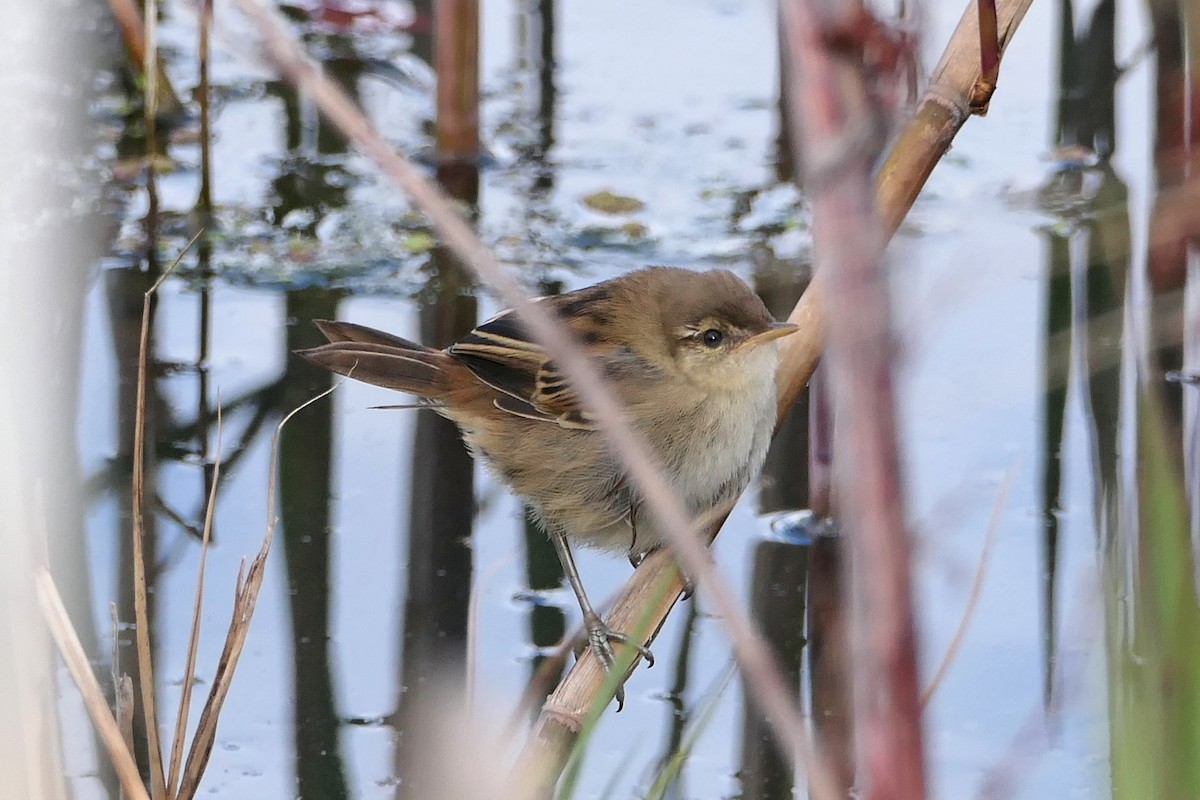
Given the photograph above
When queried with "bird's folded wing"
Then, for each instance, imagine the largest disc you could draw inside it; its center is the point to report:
(501, 353)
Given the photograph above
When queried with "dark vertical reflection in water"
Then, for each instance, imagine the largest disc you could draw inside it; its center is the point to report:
(1175, 134)
(305, 460)
(306, 449)
(547, 624)
(777, 601)
(829, 659)
(204, 403)
(308, 181)
(779, 578)
(828, 616)
(678, 709)
(434, 642)
(785, 481)
(1054, 397)
(542, 19)
(1090, 247)
(125, 289)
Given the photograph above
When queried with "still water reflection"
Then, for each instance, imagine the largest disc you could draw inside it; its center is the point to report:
(1011, 281)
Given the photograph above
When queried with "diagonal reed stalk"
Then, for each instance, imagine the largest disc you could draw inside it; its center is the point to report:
(943, 110)
(59, 623)
(764, 679)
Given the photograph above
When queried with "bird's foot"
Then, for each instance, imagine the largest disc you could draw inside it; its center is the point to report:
(600, 638)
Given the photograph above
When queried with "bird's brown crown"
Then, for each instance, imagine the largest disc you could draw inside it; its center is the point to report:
(657, 309)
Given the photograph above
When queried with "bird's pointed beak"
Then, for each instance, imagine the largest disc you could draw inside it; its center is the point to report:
(776, 331)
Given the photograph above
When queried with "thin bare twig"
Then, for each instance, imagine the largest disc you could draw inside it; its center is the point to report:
(189, 669)
(964, 623)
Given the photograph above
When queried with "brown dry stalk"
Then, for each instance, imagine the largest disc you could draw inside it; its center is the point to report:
(189, 669)
(989, 56)
(249, 581)
(944, 108)
(59, 622)
(140, 604)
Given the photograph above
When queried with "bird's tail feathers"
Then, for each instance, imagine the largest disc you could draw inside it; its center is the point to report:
(379, 358)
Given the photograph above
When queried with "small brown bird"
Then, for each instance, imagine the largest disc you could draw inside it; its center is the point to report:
(690, 355)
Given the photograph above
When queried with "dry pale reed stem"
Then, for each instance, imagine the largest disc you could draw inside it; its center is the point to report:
(766, 684)
(141, 612)
(76, 660)
(944, 108)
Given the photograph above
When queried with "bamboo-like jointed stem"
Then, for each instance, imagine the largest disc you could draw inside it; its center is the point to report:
(912, 164)
(942, 111)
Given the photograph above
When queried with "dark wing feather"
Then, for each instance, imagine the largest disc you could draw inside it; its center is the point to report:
(502, 354)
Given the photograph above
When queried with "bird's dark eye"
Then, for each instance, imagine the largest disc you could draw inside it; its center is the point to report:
(712, 337)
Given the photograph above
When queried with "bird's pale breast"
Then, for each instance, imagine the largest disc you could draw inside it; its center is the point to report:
(708, 450)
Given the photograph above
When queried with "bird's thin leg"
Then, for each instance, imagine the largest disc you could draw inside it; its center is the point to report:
(600, 635)
(635, 558)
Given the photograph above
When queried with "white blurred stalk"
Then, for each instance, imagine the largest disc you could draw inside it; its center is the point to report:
(44, 207)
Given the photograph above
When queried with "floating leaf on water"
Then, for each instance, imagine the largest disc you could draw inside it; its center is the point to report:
(419, 242)
(608, 202)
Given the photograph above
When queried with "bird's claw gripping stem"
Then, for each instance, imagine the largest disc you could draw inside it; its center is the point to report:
(600, 638)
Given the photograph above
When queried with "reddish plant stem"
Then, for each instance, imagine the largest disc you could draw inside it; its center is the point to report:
(837, 126)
